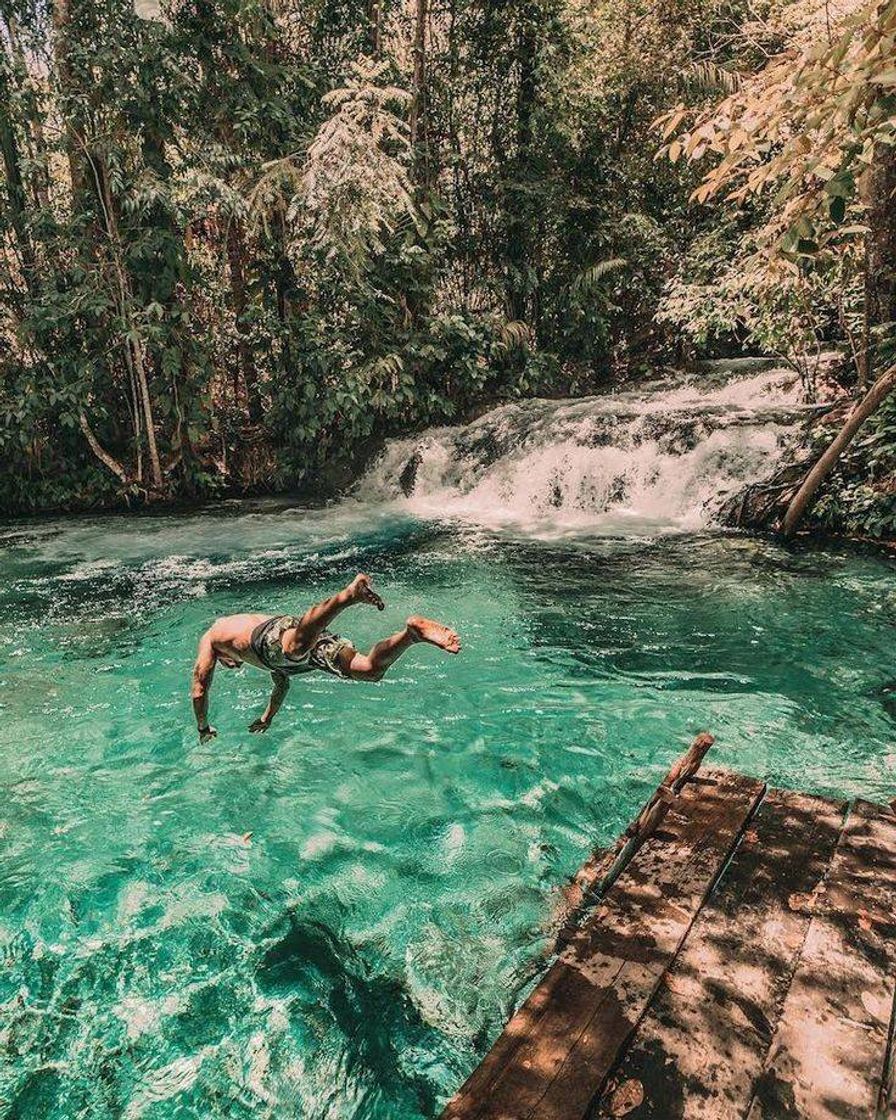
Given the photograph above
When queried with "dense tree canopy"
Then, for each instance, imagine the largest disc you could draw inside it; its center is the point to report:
(241, 240)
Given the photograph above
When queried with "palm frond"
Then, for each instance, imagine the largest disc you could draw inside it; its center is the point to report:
(588, 280)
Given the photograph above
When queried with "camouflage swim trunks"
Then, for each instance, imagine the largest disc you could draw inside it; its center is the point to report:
(266, 643)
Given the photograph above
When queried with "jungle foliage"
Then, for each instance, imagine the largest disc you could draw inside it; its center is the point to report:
(241, 239)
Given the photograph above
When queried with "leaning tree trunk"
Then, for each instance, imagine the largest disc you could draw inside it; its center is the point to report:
(101, 453)
(872, 400)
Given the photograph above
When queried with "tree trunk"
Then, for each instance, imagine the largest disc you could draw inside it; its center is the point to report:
(39, 156)
(519, 226)
(155, 464)
(880, 250)
(375, 26)
(15, 187)
(133, 344)
(73, 149)
(418, 120)
(96, 447)
(872, 400)
(285, 292)
(235, 257)
(864, 356)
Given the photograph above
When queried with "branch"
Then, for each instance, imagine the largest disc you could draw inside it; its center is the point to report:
(96, 447)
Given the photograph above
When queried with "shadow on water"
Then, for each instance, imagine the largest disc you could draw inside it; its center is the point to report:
(317, 972)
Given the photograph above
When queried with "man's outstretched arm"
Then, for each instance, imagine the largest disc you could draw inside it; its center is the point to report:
(203, 671)
(281, 687)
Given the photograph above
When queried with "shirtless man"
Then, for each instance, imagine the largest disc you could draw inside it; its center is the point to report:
(286, 646)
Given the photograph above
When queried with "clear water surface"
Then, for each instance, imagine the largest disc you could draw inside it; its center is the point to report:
(333, 920)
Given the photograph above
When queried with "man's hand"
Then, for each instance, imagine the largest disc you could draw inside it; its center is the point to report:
(259, 726)
(207, 733)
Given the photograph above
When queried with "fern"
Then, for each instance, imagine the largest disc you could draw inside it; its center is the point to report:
(515, 335)
(709, 77)
(589, 280)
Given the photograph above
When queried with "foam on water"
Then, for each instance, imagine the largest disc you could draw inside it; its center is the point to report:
(662, 458)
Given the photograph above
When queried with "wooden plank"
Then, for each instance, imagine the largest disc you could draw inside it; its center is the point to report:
(643, 925)
(886, 1109)
(556, 1051)
(827, 1058)
(703, 1042)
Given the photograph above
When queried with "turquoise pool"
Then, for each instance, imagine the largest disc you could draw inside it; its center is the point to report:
(333, 920)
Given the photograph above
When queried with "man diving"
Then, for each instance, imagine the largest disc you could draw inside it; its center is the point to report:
(286, 646)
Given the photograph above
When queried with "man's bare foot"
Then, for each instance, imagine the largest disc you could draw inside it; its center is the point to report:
(425, 630)
(362, 592)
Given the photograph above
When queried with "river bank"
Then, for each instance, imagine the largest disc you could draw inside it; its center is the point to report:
(725, 442)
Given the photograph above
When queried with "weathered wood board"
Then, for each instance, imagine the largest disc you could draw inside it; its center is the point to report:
(556, 1052)
(827, 1059)
(698, 1051)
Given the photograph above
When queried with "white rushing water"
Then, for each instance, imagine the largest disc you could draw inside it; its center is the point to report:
(661, 458)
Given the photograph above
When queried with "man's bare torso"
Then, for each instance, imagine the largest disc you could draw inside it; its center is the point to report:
(231, 639)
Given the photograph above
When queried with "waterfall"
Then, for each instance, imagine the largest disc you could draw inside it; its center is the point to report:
(663, 457)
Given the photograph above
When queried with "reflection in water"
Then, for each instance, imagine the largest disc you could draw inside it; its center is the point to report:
(334, 920)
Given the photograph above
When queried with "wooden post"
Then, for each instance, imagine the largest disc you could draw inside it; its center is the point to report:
(654, 812)
(649, 820)
(688, 765)
(603, 868)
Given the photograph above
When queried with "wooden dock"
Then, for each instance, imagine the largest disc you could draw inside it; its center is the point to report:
(733, 957)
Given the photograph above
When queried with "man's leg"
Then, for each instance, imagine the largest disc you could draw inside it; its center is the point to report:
(318, 617)
(373, 665)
